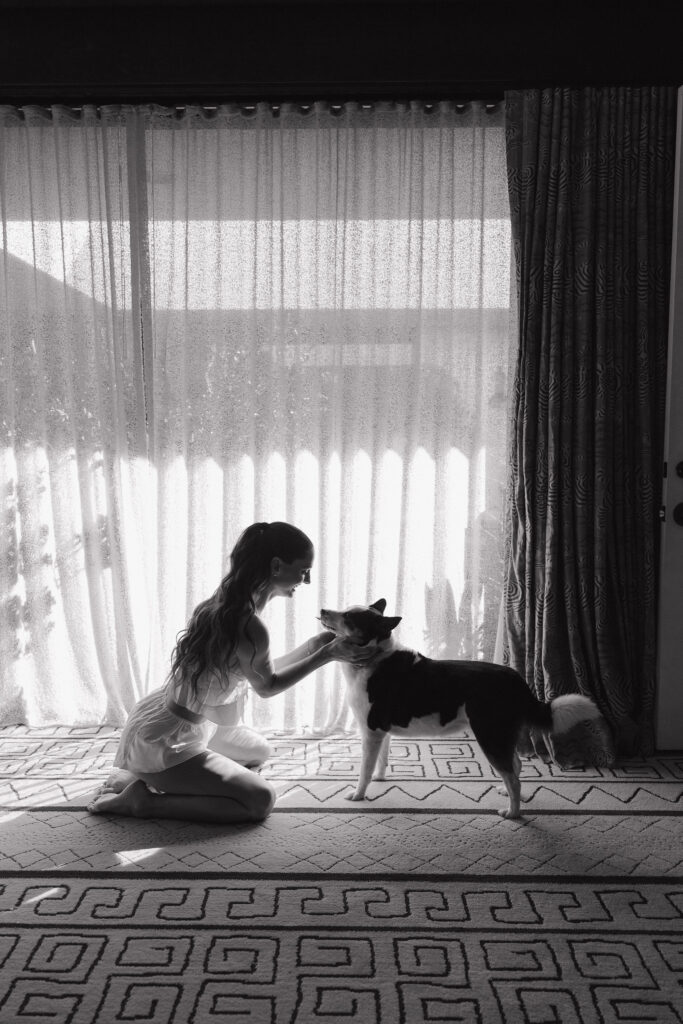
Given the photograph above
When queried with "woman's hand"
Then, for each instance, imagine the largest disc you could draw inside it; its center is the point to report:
(343, 649)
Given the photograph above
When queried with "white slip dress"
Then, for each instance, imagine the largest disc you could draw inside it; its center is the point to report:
(156, 737)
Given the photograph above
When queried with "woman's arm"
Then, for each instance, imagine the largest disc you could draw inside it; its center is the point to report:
(310, 646)
(253, 651)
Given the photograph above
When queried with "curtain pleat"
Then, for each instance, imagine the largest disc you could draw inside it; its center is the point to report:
(590, 175)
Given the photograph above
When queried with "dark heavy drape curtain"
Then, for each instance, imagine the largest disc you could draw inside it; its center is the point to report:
(590, 175)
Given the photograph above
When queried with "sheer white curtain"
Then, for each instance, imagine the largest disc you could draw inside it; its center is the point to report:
(75, 589)
(298, 315)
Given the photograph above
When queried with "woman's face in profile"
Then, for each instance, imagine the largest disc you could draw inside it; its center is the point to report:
(292, 574)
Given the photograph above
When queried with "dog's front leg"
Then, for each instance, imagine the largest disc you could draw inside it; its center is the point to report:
(371, 743)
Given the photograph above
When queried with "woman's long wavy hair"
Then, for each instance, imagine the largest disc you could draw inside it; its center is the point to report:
(208, 642)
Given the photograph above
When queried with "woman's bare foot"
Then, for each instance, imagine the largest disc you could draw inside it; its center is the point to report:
(117, 781)
(130, 801)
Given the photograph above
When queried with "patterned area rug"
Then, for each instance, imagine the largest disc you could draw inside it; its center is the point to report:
(420, 904)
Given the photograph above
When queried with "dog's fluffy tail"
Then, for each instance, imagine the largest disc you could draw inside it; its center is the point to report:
(570, 710)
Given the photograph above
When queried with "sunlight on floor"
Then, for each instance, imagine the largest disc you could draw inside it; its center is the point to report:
(54, 891)
(7, 816)
(135, 856)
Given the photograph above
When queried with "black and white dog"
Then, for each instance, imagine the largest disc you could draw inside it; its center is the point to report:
(401, 692)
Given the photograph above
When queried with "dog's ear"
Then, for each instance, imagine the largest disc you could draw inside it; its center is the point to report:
(379, 605)
(391, 622)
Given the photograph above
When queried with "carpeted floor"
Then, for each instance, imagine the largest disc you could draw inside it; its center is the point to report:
(420, 904)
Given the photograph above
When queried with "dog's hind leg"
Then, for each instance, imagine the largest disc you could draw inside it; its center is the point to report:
(497, 741)
(541, 745)
(371, 743)
(513, 788)
(380, 771)
(508, 768)
(550, 747)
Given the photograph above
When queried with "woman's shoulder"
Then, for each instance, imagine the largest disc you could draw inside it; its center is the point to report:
(253, 629)
(253, 646)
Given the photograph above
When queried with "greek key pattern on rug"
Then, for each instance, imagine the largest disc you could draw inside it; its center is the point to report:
(220, 951)
(62, 767)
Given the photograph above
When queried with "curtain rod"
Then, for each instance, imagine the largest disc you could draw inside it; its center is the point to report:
(211, 111)
(460, 105)
(368, 105)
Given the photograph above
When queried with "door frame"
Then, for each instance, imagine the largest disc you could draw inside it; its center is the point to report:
(669, 704)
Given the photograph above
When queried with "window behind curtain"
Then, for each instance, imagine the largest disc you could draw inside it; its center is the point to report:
(315, 329)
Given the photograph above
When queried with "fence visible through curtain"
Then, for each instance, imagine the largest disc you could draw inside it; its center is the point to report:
(315, 328)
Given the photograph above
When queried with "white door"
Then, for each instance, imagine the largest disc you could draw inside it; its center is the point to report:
(669, 720)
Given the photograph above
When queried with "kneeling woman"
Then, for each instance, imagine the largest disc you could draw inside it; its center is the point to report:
(182, 753)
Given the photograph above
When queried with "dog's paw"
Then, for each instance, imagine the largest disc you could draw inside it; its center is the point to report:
(510, 815)
(503, 792)
(354, 796)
